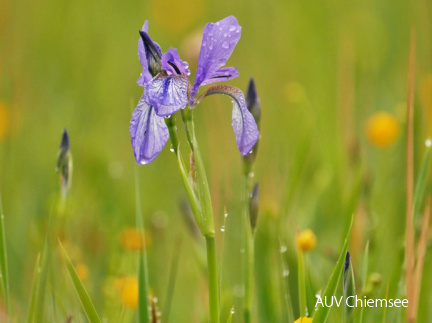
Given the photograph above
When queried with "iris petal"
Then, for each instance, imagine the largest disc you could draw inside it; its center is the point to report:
(148, 131)
(172, 63)
(168, 93)
(222, 74)
(219, 40)
(145, 75)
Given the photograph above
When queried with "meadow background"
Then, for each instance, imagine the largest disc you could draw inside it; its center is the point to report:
(322, 69)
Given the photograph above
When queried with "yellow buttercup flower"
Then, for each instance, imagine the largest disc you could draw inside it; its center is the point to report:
(382, 129)
(127, 288)
(304, 319)
(306, 240)
(82, 271)
(132, 239)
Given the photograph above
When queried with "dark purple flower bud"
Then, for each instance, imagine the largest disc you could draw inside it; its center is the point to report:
(153, 54)
(253, 206)
(64, 163)
(253, 102)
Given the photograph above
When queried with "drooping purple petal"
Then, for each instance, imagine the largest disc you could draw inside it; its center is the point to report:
(142, 54)
(172, 63)
(245, 128)
(149, 133)
(219, 40)
(222, 74)
(167, 93)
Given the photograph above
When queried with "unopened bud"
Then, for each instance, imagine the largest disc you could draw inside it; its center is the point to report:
(64, 163)
(253, 207)
(153, 54)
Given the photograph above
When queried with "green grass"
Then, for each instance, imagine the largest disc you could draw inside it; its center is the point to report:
(321, 69)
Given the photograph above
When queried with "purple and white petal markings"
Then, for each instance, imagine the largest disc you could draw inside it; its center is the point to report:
(219, 40)
(167, 93)
(148, 131)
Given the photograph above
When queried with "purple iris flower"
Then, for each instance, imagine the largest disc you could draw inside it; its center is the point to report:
(167, 89)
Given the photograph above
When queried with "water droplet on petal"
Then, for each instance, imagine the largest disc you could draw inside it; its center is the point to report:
(232, 28)
(225, 45)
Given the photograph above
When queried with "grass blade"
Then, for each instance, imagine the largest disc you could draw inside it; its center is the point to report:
(348, 287)
(143, 294)
(322, 312)
(3, 261)
(421, 180)
(84, 298)
(364, 274)
(231, 315)
(409, 226)
(421, 252)
(32, 306)
(301, 283)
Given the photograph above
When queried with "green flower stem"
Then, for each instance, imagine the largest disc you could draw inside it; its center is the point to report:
(212, 280)
(248, 244)
(302, 283)
(201, 204)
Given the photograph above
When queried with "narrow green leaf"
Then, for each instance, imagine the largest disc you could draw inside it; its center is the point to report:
(3, 260)
(32, 307)
(348, 287)
(172, 280)
(301, 283)
(364, 274)
(84, 298)
(231, 315)
(192, 198)
(322, 312)
(143, 294)
(43, 269)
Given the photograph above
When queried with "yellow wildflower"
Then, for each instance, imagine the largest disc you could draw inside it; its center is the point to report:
(382, 129)
(82, 271)
(127, 288)
(132, 239)
(306, 240)
(304, 319)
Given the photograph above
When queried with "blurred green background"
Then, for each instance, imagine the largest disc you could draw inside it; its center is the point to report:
(322, 68)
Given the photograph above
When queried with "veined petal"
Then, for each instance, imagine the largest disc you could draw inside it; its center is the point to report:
(172, 63)
(219, 40)
(148, 131)
(222, 74)
(168, 93)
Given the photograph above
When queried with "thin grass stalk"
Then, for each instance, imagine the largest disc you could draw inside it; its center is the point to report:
(364, 275)
(248, 245)
(143, 294)
(421, 252)
(3, 262)
(409, 226)
(301, 283)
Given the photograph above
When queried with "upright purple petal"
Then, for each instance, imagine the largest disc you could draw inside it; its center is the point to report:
(148, 131)
(168, 93)
(145, 75)
(219, 40)
(172, 63)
